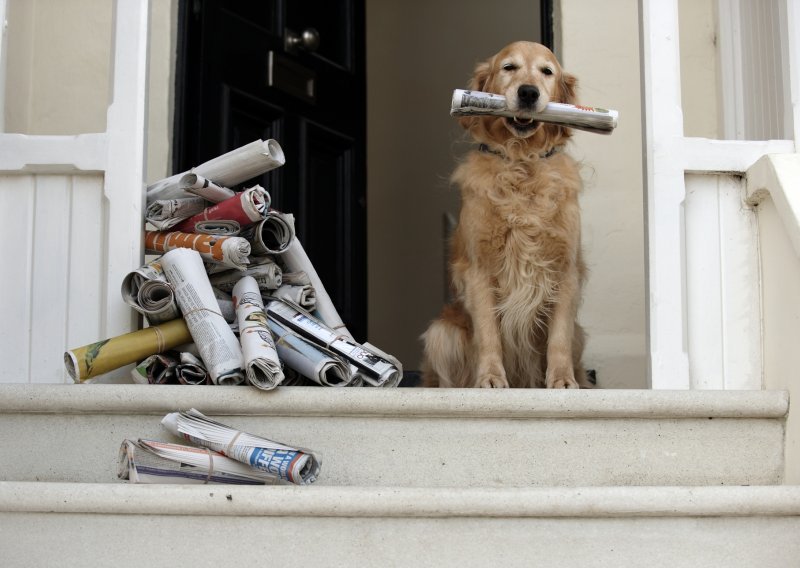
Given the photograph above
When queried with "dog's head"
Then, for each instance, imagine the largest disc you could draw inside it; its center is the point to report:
(529, 76)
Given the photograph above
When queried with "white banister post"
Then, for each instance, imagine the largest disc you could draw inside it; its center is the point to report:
(126, 131)
(664, 194)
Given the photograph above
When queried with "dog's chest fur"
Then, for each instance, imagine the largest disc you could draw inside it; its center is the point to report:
(530, 211)
(528, 219)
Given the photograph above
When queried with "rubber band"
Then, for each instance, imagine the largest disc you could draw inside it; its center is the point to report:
(232, 442)
(210, 466)
(338, 337)
(161, 343)
(202, 309)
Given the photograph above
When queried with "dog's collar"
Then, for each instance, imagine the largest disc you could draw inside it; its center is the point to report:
(486, 150)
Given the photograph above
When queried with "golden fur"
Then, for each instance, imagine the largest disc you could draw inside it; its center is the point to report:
(515, 262)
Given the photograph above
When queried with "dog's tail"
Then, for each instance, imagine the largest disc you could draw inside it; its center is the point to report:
(447, 357)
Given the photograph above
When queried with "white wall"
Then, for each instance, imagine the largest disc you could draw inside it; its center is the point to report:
(699, 68)
(58, 62)
(600, 44)
(59, 55)
(417, 52)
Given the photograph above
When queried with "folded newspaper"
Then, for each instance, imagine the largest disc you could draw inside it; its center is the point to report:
(591, 119)
(296, 465)
(306, 358)
(372, 366)
(150, 461)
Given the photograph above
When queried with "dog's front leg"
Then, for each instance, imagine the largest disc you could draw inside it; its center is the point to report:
(560, 372)
(480, 303)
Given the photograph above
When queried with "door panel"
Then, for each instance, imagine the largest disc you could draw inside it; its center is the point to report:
(237, 82)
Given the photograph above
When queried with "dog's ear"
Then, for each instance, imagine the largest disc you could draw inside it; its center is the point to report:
(568, 88)
(480, 76)
(477, 83)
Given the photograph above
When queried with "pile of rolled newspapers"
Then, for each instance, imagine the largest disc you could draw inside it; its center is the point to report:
(221, 455)
(591, 119)
(232, 297)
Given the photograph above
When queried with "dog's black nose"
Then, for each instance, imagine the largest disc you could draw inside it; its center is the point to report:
(528, 95)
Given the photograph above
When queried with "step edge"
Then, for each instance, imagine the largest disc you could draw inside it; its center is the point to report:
(471, 403)
(226, 500)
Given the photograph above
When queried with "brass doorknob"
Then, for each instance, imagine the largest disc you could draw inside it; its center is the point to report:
(307, 40)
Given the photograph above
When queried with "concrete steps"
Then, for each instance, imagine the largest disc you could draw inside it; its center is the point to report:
(419, 437)
(78, 524)
(410, 477)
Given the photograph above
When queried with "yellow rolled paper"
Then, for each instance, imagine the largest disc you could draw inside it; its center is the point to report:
(103, 356)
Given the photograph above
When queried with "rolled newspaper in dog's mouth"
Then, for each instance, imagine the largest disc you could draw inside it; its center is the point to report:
(590, 119)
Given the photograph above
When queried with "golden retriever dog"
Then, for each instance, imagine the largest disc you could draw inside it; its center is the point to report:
(516, 264)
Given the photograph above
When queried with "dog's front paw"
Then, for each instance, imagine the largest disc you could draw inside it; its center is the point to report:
(561, 379)
(493, 381)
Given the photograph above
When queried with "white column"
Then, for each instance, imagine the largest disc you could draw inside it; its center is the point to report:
(125, 184)
(665, 193)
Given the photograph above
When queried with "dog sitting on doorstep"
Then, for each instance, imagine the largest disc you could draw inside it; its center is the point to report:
(515, 263)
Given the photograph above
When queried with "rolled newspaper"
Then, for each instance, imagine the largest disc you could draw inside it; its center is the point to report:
(320, 365)
(166, 213)
(261, 363)
(301, 294)
(221, 227)
(227, 170)
(296, 465)
(267, 274)
(296, 260)
(157, 369)
(191, 371)
(149, 461)
(219, 348)
(297, 288)
(590, 119)
(245, 209)
(273, 235)
(393, 381)
(372, 366)
(95, 359)
(225, 303)
(205, 188)
(147, 291)
(232, 252)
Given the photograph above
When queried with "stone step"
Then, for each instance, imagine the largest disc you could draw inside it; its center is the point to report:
(419, 437)
(85, 524)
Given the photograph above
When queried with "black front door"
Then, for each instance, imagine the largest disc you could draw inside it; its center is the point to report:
(292, 70)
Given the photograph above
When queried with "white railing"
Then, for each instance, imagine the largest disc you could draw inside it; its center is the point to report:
(696, 312)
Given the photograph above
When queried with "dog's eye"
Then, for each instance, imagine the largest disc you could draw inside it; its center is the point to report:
(547, 71)
(509, 67)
